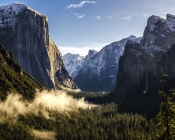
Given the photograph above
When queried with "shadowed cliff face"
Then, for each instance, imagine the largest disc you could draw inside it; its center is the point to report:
(24, 32)
(132, 69)
(141, 62)
(14, 79)
(142, 65)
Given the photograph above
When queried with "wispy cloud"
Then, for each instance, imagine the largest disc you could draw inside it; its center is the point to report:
(169, 11)
(127, 17)
(140, 13)
(145, 15)
(98, 17)
(80, 5)
(83, 51)
(79, 16)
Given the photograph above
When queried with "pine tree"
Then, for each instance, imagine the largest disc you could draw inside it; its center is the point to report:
(166, 116)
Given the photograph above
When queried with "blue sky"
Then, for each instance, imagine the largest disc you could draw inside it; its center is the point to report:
(77, 25)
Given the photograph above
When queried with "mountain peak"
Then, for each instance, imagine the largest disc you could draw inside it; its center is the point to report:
(16, 8)
(74, 62)
(170, 17)
(132, 37)
(151, 23)
(157, 34)
(92, 52)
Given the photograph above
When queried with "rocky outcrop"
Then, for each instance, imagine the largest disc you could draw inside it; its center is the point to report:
(159, 34)
(25, 33)
(99, 74)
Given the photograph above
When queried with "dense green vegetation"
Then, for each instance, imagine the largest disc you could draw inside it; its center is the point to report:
(103, 122)
(13, 79)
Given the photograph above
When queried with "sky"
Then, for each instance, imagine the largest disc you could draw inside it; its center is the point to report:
(77, 26)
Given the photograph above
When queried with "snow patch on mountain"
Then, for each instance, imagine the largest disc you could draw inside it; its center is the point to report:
(74, 62)
(102, 68)
(170, 24)
(109, 52)
(158, 33)
(9, 13)
(16, 8)
(152, 22)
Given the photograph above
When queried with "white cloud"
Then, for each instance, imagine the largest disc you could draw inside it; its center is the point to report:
(140, 13)
(169, 11)
(145, 15)
(80, 5)
(127, 17)
(80, 16)
(98, 17)
(75, 50)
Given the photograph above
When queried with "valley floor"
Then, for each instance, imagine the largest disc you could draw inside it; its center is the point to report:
(44, 118)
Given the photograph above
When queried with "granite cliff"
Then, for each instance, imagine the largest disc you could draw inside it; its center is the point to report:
(25, 33)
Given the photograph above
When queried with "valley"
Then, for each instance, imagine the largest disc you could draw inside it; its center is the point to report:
(125, 91)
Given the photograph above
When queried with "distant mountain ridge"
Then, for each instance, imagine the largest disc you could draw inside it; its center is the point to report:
(25, 33)
(99, 74)
(74, 62)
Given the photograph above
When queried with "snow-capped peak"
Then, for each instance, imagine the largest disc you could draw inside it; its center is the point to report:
(170, 17)
(91, 53)
(131, 37)
(152, 21)
(157, 34)
(16, 8)
(99, 73)
(169, 21)
(74, 62)
(170, 24)
(9, 14)
(110, 52)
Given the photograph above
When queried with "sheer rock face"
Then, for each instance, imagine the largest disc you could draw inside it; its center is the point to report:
(132, 69)
(25, 33)
(58, 73)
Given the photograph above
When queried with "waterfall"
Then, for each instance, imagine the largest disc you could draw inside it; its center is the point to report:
(146, 82)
